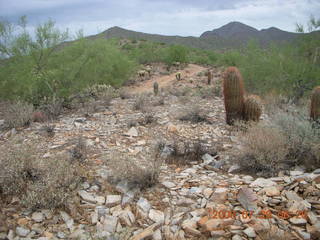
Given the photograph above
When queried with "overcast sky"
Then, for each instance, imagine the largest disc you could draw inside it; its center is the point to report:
(169, 17)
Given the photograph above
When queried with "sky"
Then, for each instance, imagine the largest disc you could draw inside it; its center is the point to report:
(168, 17)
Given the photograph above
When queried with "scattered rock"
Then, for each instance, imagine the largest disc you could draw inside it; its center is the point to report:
(113, 200)
(156, 215)
(247, 198)
(37, 217)
(22, 232)
(133, 132)
(262, 182)
(250, 232)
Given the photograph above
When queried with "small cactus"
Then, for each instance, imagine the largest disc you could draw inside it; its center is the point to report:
(315, 104)
(233, 91)
(209, 77)
(155, 88)
(178, 76)
(252, 109)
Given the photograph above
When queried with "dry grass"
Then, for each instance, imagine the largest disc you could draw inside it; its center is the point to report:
(185, 151)
(141, 103)
(124, 94)
(193, 114)
(18, 114)
(123, 167)
(287, 140)
(264, 148)
(48, 130)
(80, 151)
(52, 109)
(38, 182)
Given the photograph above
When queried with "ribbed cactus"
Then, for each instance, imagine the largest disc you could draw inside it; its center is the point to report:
(315, 104)
(178, 76)
(233, 91)
(155, 88)
(209, 77)
(252, 109)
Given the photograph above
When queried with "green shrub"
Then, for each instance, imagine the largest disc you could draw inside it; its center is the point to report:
(176, 53)
(44, 68)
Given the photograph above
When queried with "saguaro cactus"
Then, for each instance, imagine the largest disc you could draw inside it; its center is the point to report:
(252, 108)
(155, 88)
(233, 91)
(315, 104)
(209, 77)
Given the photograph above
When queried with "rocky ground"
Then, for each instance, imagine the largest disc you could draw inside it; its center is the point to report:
(204, 199)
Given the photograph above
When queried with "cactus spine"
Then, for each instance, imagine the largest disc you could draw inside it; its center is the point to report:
(209, 77)
(315, 104)
(155, 88)
(233, 91)
(252, 109)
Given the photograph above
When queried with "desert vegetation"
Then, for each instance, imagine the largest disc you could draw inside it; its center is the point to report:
(120, 133)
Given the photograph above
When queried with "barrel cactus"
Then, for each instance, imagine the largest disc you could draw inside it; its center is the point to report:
(178, 76)
(252, 109)
(209, 77)
(315, 104)
(155, 88)
(233, 91)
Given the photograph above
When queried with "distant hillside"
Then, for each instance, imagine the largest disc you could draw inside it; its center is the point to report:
(232, 35)
(243, 33)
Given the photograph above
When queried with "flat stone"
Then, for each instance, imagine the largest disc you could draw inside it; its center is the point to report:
(207, 158)
(133, 132)
(144, 234)
(291, 195)
(298, 220)
(296, 173)
(218, 233)
(22, 232)
(127, 218)
(89, 197)
(220, 195)
(144, 205)
(209, 225)
(303, 234)
(67, 219)
(168, 184)
(113, 200)
(37, 217)
(250, 232)
(247, 198)
(109, 224)
(77, 234)
(157, 235)
(262, 182)
(234, 168)
(190, 227)
(237, 237)
(271, 191)
(156, 215)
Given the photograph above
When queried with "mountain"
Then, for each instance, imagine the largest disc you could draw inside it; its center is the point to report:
(231, 35)
(117, 32)
(242, 33)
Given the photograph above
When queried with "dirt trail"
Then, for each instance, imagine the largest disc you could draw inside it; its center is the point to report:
(164, 81)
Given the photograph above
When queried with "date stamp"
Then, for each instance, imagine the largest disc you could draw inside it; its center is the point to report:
(263, 214)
